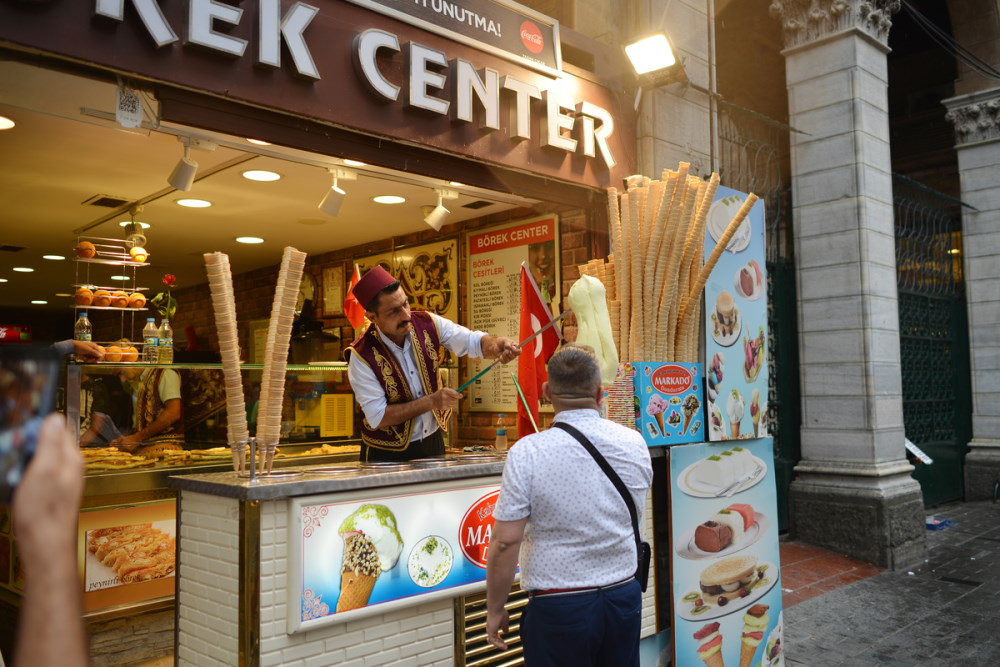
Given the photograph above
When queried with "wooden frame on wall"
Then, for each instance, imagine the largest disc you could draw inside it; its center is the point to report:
(334, 278)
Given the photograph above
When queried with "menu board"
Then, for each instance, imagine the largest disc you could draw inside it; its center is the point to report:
(495, 258)
(725, 555)
(350, 558)
(736, 323)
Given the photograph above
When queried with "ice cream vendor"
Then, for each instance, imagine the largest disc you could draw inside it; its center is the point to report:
(393, 370)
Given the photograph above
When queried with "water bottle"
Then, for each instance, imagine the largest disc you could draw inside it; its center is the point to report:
(166, 343)
(83, 330)
(150, 339)
(501, 443)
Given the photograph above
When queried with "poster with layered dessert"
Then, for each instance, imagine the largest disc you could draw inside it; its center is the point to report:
(725, 557)
(736, 323)
(494, 277)
(353, 556)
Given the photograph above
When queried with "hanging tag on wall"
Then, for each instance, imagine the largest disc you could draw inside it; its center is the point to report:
(128, 107)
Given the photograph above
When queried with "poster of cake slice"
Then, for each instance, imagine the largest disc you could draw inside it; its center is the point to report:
(725, 556)
(736, 342)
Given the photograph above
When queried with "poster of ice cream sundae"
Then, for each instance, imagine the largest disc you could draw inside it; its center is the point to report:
(736, 346)
(725, 556)
(371, 555)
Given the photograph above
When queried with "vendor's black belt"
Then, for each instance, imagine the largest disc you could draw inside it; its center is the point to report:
(431, 446)
(573, 591)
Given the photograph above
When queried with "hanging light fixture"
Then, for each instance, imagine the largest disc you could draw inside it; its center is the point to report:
(182, 177)
(335, 195)
(437, 217)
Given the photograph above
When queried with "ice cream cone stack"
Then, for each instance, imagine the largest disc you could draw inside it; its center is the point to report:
(755, 622)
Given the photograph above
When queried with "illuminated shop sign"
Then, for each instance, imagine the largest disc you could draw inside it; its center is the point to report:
(571, 126)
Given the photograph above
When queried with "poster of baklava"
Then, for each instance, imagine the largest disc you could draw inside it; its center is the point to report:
(736, 343)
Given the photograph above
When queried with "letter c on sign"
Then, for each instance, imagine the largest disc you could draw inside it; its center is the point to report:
(366, 46)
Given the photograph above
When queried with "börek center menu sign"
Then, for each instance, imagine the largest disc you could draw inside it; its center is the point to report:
(481, 79)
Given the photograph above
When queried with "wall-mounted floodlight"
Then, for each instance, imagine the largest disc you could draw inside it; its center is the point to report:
(654, 61)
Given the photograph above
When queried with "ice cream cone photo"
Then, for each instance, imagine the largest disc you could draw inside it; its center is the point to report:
(372, 545)
(746, 654)
(734, 410)
(755, 410)
(710, 645)
(734, 429)
(659, 420)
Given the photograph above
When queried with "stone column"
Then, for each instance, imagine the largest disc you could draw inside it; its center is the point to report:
(853, 492)
(977, 132)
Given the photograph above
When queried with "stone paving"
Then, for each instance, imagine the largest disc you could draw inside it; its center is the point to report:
(945, 612)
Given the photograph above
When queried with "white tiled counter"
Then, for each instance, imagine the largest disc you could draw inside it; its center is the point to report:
(239, 562)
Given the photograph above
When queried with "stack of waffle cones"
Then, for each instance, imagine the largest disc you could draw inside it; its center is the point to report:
(220, 281)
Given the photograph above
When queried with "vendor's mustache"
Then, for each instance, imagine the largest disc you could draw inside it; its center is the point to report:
(403, 325)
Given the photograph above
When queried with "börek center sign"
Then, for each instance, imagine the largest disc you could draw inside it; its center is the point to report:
(481, 79)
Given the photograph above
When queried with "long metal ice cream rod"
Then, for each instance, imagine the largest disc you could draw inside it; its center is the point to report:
(521, 344)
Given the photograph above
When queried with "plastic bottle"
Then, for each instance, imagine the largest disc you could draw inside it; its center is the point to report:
(83, 329)
(150, 339)
(166, 343)
(501, 443)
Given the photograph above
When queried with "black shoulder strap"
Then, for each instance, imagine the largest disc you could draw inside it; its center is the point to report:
(610, 472)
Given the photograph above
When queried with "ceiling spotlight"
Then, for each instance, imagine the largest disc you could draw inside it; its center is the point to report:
(388, 199)
(261, 175)
(194, 203)
(355, 163)
(249, 240)
(182, 177)
(436, 218)
(6, 123)
(23, 269)
(39, 302)
(259, 142)
(53, 257)
(134, 233)
(126, 223)
(335, 195)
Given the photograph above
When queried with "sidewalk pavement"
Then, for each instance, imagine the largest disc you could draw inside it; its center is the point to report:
(839, 611)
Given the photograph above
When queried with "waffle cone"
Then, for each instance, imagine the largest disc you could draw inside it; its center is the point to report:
(659, 422)
(687, 421)
(355, 589)
(747, 652)
(715, 660)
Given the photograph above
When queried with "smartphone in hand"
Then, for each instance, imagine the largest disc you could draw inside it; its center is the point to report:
(29, 377)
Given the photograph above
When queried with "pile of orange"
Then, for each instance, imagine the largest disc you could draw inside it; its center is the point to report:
(85, 249)
(83, 297)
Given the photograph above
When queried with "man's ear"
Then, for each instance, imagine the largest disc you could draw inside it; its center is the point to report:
(545, 391)
(599, 397)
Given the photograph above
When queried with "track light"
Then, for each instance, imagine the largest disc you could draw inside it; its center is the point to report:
(182, 177)
(436, 218)
(335, 195)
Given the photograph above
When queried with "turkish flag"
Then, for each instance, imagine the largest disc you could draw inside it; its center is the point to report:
(354, 311)
(531, 373)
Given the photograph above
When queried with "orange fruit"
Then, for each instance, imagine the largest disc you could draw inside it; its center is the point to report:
(85, 249)
(119, 299)
(102, 298)
(136, 300)
(83, 297)
(138, 254)
(113, 353)
(130, 354)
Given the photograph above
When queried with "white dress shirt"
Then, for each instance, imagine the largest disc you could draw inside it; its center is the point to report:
(369, 392)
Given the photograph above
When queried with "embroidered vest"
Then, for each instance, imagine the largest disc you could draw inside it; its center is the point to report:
(371, 349)
(149, 406)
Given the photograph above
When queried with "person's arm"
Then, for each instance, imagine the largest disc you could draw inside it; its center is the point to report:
(444, 398)
(498, 347)
(46, 508)
(465, 342)
(83, 349)
(501, 566)
(170, 413)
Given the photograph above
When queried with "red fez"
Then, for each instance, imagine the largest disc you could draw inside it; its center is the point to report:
(373, 282)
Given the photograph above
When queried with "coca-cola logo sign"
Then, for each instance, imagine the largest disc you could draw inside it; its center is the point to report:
(671, 379)
(476, 528)
(531, 37)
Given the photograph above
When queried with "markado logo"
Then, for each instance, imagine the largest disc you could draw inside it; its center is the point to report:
(531, 37)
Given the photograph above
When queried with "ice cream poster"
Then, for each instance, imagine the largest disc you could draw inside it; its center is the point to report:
(371, 555)
(724, 552)
(668, 402)
(736, 323)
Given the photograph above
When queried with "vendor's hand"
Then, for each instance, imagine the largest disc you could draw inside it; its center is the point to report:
(496, 622)
(47, 500)
(509, 350)
(129, 443)
(445, 398)
(87, 351)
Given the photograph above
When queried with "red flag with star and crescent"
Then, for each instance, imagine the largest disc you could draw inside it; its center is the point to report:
(531, 373)
(354, 311)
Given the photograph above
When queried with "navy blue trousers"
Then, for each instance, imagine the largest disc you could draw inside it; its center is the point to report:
(586, 629)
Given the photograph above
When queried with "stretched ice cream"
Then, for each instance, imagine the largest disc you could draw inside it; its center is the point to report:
(588, 299)
(734, 410)
(372, 545)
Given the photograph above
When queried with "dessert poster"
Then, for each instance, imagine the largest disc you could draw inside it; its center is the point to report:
(726, 569)
(374, 554)
(494, 276)
(736, 323)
